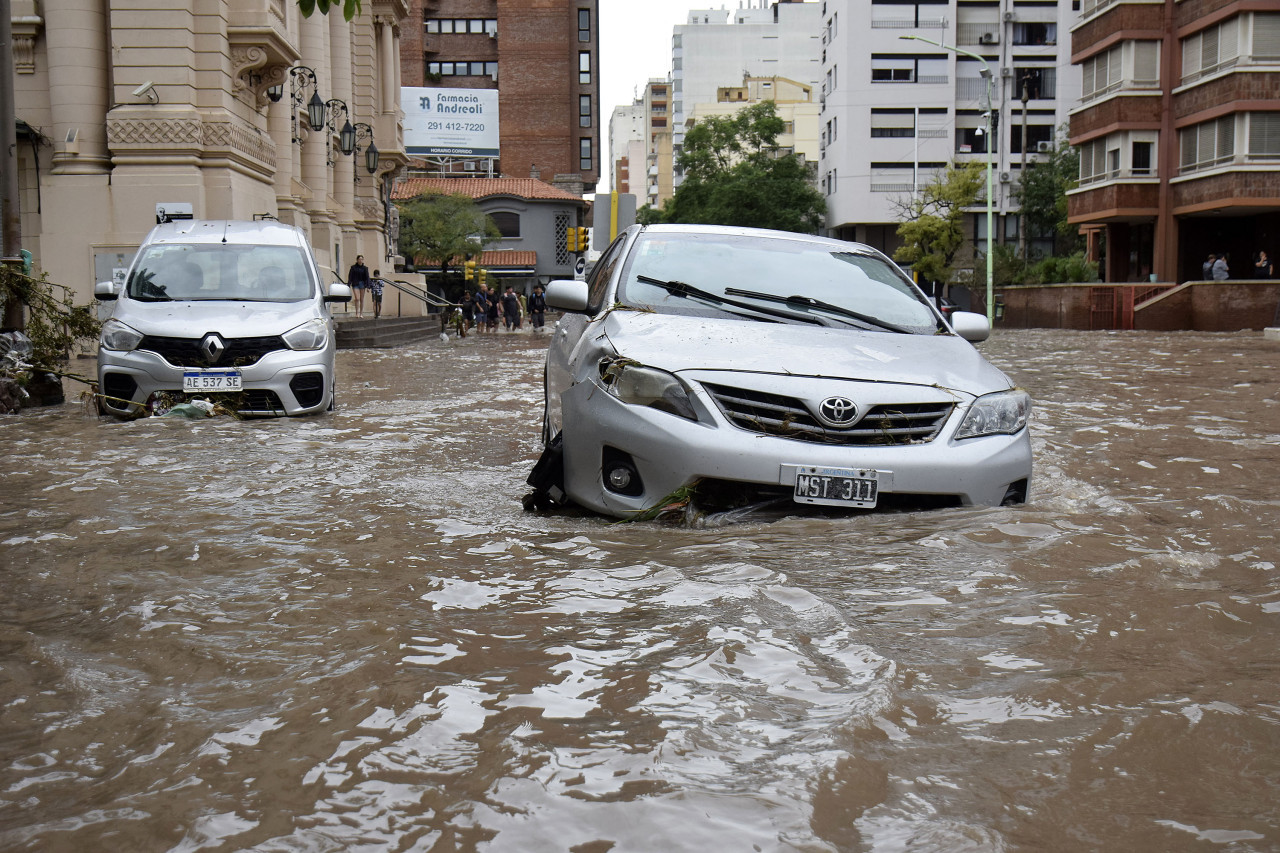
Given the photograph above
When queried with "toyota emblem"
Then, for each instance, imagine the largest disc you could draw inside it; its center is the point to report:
(213, 347)
(838, 412)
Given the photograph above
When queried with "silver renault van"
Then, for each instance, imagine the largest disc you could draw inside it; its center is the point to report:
(228, 311)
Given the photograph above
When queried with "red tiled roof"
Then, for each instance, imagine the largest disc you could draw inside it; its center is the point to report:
(477, 188)
(500, 259)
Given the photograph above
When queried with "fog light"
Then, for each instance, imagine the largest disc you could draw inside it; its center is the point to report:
(619, 478)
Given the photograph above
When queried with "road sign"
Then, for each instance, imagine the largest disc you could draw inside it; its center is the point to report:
(580, 269)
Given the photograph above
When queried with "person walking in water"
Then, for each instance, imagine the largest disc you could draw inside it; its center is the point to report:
(358, 280)
(375, 293)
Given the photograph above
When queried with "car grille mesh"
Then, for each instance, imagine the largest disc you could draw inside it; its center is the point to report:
(787, 417)
(185, 352)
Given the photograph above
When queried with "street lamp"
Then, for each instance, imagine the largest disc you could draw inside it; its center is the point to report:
(332, 107)
(301, 79)
(986, 73)
(361, 132)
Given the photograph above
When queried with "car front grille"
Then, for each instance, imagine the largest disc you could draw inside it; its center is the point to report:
(185, 352)
(787, 417)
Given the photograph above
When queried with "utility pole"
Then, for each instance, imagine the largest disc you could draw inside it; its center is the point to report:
(9, 210)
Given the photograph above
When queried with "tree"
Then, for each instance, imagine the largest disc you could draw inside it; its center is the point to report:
(1042, 192)
(350, 8)
(933, 230)
(442, 228)
(735, 174)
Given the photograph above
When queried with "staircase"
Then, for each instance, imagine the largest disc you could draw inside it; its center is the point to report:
(384, 332)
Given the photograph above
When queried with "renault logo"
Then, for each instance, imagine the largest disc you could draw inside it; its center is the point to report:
(837, 412)
(213, 347)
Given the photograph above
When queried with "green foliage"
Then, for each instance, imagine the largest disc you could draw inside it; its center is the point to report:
(441, 229)
(1007, 266)
(933, 228)
(1058, 270)
(734, 174)
(1042, 192)
(55, 324)
(350, 8)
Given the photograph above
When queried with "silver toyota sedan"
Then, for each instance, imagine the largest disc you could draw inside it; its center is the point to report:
(227, 311)
(735, 365)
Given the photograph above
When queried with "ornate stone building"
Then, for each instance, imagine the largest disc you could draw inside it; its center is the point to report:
(127, 106)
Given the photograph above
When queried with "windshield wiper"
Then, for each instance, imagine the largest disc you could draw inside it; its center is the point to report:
(680, 288)
(809, 302)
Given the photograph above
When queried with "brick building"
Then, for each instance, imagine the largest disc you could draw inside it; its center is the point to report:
(542, 56)
(1179, 135)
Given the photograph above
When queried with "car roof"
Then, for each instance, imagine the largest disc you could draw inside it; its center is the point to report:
(258, 232)
(740, 231)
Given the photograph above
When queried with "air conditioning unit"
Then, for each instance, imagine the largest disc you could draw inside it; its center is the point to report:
(1005, 177)
(1009, 17)
(1006, 72)
(988, 38)
(1044, 147)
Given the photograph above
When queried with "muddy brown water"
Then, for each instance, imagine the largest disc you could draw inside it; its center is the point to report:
(342, 633)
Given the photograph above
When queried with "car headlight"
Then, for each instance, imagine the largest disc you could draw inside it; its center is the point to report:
(646, 386)
(1002, 413)
(311, 335)
(117, 336)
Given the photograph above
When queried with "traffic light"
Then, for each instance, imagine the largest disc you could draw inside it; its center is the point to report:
(584, 241)
(469, 270)
(484, 274)
(571, 239)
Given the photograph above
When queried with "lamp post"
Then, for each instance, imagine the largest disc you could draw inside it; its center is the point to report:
(332, 107)
(303, 78)
(990, 143)
(361, 132)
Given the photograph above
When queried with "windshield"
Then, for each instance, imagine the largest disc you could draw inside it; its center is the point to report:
(221, 271)
(807, 281)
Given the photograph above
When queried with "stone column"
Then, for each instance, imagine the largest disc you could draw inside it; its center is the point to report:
(343, 174)
(76, 38)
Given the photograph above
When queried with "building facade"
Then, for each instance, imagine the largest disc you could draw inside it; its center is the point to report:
(1179, 135)
(717, 48)
(532, 217)
(127, 106)
(795, 103)
(896, 111)
(543, 58)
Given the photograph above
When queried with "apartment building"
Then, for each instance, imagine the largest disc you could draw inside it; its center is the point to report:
(1179, 135)
(202, 109)
(796, 104)
(897, 110)
(543, 58)
(718, 47)
(627, 147)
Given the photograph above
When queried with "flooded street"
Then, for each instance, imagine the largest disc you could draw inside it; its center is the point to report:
(343, 633)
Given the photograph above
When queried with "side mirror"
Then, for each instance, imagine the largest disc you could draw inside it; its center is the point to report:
(567, 295)
(974, 328)
(105, 291)
(338, 292)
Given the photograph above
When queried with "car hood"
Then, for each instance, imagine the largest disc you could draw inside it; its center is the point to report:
(231, 319)
(676, 342)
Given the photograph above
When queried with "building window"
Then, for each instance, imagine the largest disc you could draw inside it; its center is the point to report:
(1264, 136)
(1039, 138)
(584, 154)
(584, 67)
(507, 223)
(1037, 83)
(584, 111)
(972, 140)
(887, 68)
(1208, 144)
(1035, 34)
(584, 25)
(1212, 49)
(887, 124)
(461, 26)
(1142, 158)
(463, 69)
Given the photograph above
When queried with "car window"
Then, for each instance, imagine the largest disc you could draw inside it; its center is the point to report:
(856, 281)
(204, 272)
(598, 283)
